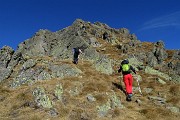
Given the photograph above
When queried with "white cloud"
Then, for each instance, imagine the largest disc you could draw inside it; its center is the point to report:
(163, 21)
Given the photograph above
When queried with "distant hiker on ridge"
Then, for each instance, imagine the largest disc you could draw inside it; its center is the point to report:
(76, 52)
(127, 77)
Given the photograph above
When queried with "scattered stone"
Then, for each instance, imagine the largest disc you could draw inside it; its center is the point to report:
(90, 98)
(148, 90)
(161, 81)
(139, 102)
(53, 112)
(157, 100)
(174, 109)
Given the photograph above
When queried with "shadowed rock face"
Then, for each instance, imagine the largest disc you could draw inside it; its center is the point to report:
(42, 77)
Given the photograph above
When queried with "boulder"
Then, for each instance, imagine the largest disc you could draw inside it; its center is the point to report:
(124, 31)
(151, 59)
(159, 51)
(41, 98)
(174, 109)
(91, 98)
(104, 65)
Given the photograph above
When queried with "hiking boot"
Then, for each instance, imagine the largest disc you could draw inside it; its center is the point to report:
(128, 98)
(75, 62)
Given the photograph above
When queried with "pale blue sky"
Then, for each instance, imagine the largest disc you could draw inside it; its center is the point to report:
(150, 20)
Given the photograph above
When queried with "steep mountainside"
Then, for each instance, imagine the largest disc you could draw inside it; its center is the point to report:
(39, 81)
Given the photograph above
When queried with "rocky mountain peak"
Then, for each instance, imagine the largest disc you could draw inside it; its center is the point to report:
(40, 81)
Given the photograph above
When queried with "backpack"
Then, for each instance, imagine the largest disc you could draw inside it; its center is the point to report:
(125, 67)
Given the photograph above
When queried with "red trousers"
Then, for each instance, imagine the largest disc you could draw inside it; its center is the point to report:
(128, 80)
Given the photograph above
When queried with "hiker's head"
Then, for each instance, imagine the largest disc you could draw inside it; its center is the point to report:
(125, 61)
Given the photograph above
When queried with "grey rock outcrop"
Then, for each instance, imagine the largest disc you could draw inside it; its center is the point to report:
(28, 64)
(5, 73)
(30, 73)
(151, 59)
(104, 65)
(152, 71)
(124, 31)
(28, 76)
(5, 57)
(159, 51)
(176, 55)
(61, 71)
(41, 98)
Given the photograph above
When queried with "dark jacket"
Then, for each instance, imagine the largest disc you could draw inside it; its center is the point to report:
(76, 52)
(126, 72)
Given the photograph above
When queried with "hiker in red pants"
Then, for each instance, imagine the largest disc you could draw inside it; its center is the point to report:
(127, 77)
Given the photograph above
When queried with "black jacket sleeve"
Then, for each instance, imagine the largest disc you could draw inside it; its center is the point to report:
(133, 69)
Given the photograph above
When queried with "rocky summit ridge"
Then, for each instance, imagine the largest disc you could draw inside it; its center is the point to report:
(39, 80)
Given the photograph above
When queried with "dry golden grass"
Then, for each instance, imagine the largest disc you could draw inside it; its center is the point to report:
(158, 114)
(175, 90)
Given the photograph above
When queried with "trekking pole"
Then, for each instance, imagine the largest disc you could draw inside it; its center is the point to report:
(82, 60)
(120, 78)
(138, 85)
(82, 57)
